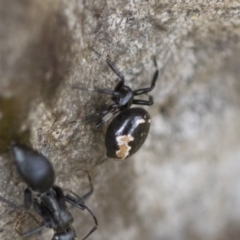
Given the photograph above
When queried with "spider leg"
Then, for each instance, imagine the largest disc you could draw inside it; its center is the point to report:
(107, 91)
(143, 102)
(104, 115)
(94, 115)
(116, 71)
(100, 90)
(146, 90)
(111, 111)
(154, 61)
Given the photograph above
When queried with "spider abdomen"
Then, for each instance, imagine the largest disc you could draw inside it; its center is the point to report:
(127, 133)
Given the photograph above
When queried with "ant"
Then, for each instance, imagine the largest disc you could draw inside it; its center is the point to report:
(47, 199)
(129, 129)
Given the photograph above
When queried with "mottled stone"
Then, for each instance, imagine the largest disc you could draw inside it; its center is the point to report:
(184, 183)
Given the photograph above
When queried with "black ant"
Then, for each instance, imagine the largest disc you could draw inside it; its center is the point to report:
(47, 199)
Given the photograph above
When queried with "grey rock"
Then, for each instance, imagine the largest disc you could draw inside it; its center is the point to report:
(184, 183)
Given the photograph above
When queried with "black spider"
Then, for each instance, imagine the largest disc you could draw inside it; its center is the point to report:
(122, 97)
(129, 129)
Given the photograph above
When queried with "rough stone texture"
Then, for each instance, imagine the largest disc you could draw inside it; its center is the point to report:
(185, 181)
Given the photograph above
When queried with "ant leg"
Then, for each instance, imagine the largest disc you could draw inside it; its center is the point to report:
(90, 192)
(77, 200)
(95, 221)
(91, 231)
(79, 203)
(34, 231)
(146, 90)
(143, 102)
(27, 198)
(116, 71)
(43, 212)
(60, 196)
(20, 220)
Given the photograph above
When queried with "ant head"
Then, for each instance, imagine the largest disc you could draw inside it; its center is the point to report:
(35, 169)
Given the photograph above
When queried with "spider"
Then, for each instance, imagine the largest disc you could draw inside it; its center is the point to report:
(129, 129)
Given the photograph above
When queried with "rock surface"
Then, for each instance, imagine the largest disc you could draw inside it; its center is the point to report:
(184, 183)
